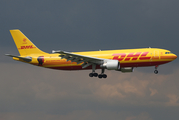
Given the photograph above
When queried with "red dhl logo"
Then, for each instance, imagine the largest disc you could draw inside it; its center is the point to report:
(131, 56)
(27, 47)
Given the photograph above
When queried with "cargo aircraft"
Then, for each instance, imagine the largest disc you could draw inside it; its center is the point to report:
(120, 60)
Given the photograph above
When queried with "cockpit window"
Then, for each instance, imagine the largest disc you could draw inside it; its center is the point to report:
(168, 53)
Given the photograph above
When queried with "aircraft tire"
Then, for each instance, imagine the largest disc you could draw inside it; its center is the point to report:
(95, 74)
(91, 74)
(104, 76)
(156, 71)
(100, 76)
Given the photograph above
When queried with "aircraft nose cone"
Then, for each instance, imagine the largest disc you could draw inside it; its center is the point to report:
(175, 56)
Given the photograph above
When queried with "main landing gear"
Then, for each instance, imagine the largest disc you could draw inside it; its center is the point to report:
(156, 71)
(102, 75)
(94, 74)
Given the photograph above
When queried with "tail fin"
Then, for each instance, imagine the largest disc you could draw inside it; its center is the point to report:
(23, 44)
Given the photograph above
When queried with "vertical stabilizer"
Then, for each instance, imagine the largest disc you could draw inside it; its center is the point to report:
(23, 44)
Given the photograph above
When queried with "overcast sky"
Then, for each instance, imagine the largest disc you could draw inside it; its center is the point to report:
(29, 92)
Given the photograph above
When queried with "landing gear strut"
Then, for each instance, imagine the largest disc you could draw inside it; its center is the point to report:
(93, 74)
(156, 71)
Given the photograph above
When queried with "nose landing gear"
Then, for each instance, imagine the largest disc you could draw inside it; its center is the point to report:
(156, 71)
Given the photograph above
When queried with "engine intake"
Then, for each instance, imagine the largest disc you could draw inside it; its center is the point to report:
(111, 65)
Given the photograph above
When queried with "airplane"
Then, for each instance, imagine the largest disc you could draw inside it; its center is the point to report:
(120, 60)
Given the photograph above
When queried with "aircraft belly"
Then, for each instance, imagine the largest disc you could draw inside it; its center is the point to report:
(72, 67)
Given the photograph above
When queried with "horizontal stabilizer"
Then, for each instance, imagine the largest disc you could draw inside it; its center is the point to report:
(27, 59)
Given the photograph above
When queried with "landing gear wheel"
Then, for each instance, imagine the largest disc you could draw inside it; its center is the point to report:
(100, 76)
(95, 74)
(104, 76)
(91, 74)
(156, 71)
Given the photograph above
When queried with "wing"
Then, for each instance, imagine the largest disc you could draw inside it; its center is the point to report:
(80, 58)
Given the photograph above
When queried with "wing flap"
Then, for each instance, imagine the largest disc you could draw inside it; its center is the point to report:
(86, 65)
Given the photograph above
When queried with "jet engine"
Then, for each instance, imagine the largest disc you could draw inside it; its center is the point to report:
(111, 65)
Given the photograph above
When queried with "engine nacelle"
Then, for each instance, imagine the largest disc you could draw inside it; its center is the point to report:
(111, 65)
(127, 69)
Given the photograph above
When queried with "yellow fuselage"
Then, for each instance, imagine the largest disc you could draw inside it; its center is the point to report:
(127, 58)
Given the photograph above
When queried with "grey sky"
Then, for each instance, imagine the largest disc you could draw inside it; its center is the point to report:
(29, 92)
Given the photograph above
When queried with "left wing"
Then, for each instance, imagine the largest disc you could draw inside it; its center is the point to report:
(80, 58)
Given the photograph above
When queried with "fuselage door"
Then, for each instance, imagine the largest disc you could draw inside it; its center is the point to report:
(155, 55)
